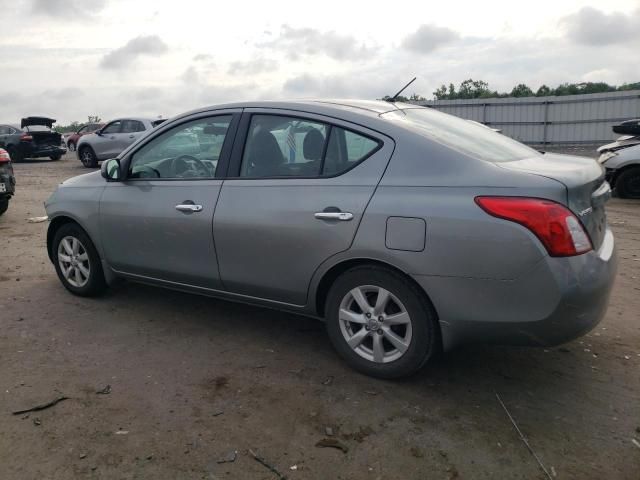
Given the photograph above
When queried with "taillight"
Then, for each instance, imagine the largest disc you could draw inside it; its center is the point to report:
(4, 156)
(555, 225)
(26, 138)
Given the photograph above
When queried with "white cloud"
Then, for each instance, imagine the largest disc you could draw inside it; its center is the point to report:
(136, 47)
(299, 42)
(590, 26)
(253, 66)
(68, 9)
(429, 37)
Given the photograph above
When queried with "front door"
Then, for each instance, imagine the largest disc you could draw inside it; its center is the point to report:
(157, 223)
(105, 145)
(300, 189)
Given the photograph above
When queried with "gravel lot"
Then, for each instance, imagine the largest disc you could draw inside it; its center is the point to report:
(194, 379)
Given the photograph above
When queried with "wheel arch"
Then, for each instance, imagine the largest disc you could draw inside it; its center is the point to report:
(331, 275)
(55, 225)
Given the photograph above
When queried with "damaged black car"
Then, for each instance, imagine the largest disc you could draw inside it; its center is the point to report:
(7, 180)
(33, 138)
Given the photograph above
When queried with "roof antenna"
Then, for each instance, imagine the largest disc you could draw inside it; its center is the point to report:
(393, 99)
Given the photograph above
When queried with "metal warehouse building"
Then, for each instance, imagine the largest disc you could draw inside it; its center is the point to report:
(571, 119)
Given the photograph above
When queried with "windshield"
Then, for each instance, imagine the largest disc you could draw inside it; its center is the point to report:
(36, 128)
(475, 140)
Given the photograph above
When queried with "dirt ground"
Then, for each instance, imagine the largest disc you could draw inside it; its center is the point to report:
(194, 379)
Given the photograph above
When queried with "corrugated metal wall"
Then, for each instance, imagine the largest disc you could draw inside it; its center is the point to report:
(571, 119)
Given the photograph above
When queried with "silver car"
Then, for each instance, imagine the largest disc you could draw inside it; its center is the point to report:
(622, 166)
(407, 230)
(112, 139)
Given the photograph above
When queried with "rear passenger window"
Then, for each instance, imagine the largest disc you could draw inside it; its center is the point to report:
(280, 146)
(132, 126)
(345, 149)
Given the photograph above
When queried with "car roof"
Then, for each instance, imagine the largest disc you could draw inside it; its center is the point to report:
(140, 119)
(321, 106)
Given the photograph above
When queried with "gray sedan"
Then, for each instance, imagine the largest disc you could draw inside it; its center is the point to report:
(407, 230)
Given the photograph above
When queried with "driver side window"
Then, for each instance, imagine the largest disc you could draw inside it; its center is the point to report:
(190, 150)
(113, 127)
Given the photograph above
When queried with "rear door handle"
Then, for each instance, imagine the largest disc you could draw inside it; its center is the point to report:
(189, 208)
(343, 216)
(132, 136)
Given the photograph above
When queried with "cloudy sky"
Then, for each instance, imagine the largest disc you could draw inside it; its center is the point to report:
(73, 58)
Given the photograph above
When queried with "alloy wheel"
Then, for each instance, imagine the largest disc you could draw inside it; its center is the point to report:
(74, 261)
(87, 157)
(375, 324)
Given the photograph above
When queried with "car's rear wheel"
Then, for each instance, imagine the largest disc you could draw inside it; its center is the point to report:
(71, 146)
(628, 183)
(88, 157)
(77, 262)
(4, 205)
(380, 322)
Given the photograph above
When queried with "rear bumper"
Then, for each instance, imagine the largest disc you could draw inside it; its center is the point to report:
(9, 182)
(559, 300)
(29, 150)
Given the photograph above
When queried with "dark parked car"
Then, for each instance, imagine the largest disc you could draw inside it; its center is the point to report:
(7, 180)
(33, 138)
(72, 139)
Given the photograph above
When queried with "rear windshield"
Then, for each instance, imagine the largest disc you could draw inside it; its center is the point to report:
(467, 137)
(36, 128)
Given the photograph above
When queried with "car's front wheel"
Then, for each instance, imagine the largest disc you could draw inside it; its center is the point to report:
(380, 322)
(88, 157)
(55, 158)
(77, 262)
(628, 183)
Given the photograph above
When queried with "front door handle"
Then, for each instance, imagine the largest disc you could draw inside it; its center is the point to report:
(343, 216)
(189, 208)
(132, 136)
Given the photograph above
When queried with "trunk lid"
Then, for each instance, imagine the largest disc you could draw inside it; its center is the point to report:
(620, 143)
(583, 178)
(44, 121)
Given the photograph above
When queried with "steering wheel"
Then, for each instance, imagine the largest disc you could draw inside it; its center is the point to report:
(185, 160)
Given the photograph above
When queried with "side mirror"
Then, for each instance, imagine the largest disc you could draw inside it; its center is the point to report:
(110, 170)
(98, 132)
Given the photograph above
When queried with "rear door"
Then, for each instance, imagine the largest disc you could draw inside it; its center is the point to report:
(297, 189)
(130, 132)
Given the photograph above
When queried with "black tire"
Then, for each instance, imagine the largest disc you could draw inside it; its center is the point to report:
(4, 204)
(424, 340)
(88, 157)
(55, 158)
(71, 146)
(95, 283)
(628, 183)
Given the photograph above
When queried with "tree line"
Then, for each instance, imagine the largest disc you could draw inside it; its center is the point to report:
(75, 125)
(480, 89)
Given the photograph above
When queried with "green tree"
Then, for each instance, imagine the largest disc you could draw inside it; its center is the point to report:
(521, 90)
(94, 119)
(543, 91)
